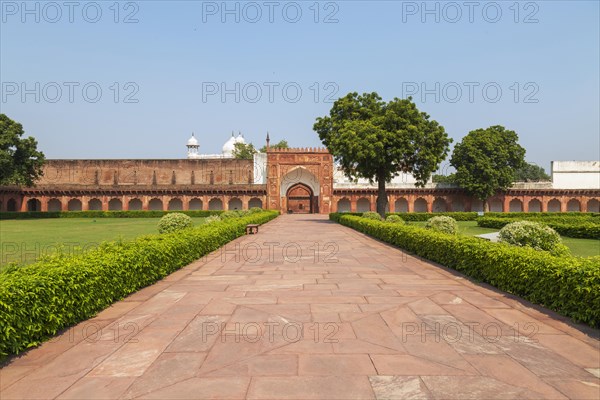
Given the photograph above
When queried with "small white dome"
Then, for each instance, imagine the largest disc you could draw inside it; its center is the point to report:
(192, 141)
(240, 138)
(229, 146)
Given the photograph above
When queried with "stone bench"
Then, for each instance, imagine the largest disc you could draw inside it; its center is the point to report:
(251, 229)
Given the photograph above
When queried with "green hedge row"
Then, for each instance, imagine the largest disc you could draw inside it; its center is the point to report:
(568, 285)
(101, 214)
(420, 216)
(40, 299)
(474, 216)
(570, 227)
(522, 215)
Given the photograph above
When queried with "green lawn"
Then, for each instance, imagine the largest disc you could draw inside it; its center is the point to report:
(23, 241)
(579, 247)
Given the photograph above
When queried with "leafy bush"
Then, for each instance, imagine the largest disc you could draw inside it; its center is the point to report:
(371, 215)
(174, 222)
(394, 219)
(230, 214)
(443, 224)
(211, 219)
(532, 234)
(40, 299)
(254, 210)
(568, 285)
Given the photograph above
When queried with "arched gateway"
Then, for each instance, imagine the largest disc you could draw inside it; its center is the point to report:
(301, 200)
(299, 180)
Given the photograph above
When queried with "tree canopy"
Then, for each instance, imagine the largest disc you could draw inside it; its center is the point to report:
(531, 173)
(20, 161)
(486, 161)
(282, 144)
(378, 140)
(244, 151)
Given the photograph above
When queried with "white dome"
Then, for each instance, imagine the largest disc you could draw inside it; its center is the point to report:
(192, 141)
(229, 146)
(240, 139)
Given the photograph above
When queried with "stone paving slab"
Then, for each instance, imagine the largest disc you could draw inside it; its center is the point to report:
(308, 309)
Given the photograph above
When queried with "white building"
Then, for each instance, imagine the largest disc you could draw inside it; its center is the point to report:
(576, 174)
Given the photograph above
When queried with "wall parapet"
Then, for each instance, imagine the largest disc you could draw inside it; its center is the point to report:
(322, 150)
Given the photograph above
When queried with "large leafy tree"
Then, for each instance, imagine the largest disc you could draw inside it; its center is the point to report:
(486, 161)
(20, 161)
(531, 173)
(377, 140)
(244, 151)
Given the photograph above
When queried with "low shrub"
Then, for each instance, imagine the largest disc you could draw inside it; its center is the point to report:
(254, 210)
(568, 285)
(371, 215)
(174, 222)
(211, 219)
(443, 224)
(394, 219)
(40, 299)
(230, 214)
(532, 234)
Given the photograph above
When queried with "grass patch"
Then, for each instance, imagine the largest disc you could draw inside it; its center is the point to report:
(23, 241)
(582, 247)
(578, 247)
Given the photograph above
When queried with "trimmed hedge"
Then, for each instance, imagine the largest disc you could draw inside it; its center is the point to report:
(40, 299)
(584, 228)
(423, 216)
(102, 214)
(524, 215)
(568, 285)
(474, 216)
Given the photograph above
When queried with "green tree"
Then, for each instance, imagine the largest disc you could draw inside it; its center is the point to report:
(20, 161)
(531, 173)
(438, 178)
(283, 144)
(244, 151)
(486, 161)
(372, 139)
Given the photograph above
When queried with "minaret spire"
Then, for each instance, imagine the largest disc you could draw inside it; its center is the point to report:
(268, 141)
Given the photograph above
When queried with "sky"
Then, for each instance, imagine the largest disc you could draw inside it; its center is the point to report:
(111, 79)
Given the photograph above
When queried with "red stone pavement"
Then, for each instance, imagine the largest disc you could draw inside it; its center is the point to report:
(308, 309)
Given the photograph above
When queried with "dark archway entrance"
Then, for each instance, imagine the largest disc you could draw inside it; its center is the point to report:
(34, 205)
(300, 199)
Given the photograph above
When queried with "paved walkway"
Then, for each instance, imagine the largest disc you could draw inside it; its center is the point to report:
(323, 312)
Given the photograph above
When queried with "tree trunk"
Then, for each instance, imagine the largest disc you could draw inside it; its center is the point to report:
(381, 196)
(486, 206)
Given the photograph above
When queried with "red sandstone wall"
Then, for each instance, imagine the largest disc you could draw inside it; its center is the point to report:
(146, 172)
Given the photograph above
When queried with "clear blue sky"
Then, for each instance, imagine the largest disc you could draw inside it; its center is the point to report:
(178, 57)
